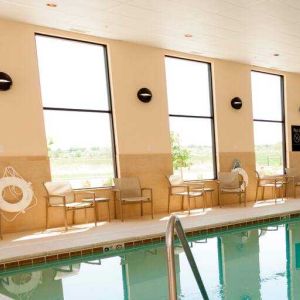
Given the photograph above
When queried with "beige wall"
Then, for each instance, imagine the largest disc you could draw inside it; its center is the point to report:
(142, 130)
(144, 126)
(21, 118)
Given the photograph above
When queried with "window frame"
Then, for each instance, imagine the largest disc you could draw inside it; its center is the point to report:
(211, 117)
(282, 121)
(109, 111)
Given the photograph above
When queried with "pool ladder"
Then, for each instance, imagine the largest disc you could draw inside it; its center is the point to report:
(175, 224)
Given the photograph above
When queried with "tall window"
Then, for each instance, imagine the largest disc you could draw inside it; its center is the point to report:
(77, 111)
(191, 118)
(269, 123)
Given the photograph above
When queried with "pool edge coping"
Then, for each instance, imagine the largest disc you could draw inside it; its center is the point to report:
(102, 247)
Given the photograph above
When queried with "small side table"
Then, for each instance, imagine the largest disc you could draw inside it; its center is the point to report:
(206, 190)
(99, 200)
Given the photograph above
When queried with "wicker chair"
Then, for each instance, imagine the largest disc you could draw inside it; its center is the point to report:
(189, 189)
(129, 191)
(61, 194)
(275, 183)
(231, 183)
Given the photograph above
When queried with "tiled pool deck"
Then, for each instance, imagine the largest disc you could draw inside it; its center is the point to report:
(29, 248)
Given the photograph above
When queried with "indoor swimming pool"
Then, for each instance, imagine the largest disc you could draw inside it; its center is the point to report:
(262, 263)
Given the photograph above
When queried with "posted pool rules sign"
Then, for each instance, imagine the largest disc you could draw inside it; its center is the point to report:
(295, 138)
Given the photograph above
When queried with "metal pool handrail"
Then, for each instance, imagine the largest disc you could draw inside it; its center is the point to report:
(175, 224)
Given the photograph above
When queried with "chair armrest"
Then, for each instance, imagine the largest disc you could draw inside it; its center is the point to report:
(179, 185)
(53, 195)
(118, 192)
(184, 186)
(84, 192)
(89, 193)
(244, 185)
(60, 196)
(195, 184)
(290, 179)
(147, 189)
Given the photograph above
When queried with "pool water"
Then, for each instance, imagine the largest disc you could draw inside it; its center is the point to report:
(261, 263)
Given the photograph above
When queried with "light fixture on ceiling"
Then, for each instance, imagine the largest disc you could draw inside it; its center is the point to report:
(188, 35)
(51, 4)
(77, 30)
(276, 54)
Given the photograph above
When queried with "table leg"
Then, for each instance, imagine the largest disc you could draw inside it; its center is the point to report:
(115, 206)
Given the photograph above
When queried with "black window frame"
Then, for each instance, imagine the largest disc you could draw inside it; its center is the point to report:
(282, 121)
(211, 117)
(109, 111)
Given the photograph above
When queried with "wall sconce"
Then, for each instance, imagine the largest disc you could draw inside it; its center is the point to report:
(5, 81)
(144, 95)
(236, 103)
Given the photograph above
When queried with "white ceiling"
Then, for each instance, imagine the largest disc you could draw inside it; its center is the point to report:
(249, 31)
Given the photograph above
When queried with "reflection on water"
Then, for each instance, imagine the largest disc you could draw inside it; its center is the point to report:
(249, 265)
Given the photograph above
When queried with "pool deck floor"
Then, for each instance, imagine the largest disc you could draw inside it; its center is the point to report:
(28, 245)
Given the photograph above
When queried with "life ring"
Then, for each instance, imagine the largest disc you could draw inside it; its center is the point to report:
(14, 288)
(27, 194)
(243, 173)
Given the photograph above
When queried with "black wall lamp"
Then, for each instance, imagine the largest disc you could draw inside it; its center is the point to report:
(144, 95)
(236, 103)
(5, 81)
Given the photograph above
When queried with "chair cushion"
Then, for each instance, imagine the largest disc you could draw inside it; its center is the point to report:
(271, 184)
(96, 200)
(135, 199)
(191, 194)
(226, 190)
(74, 205)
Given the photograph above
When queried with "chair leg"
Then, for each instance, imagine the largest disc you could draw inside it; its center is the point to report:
(204, 201)
(122, 217)
(142, 211)
(108, 211)
(189, 204)
(152, 211)
(182, 202)
(85, 216)
(240, 198)
(274, 194)
(66, 221)
(47, 216)
(256, 194)
(169, 202)
(245, 199)
(73, 217)
(219, 199)
(95, 214)
(263, 193)
(1, 237)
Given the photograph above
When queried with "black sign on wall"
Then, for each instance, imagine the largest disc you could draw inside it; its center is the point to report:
(295, 138)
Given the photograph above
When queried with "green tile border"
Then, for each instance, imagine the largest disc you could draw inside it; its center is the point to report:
(192, 234)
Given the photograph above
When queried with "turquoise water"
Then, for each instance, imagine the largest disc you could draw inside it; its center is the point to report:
(250, 264)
